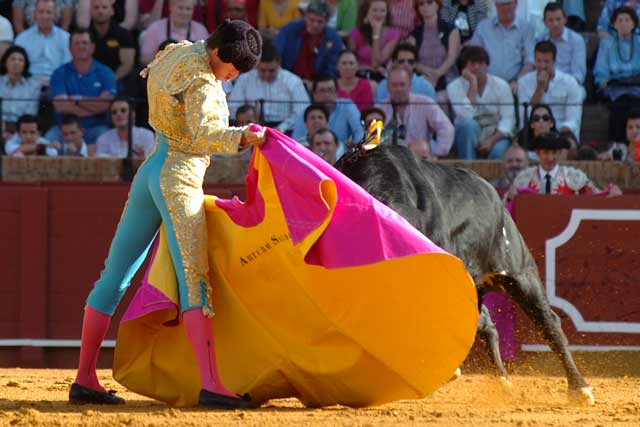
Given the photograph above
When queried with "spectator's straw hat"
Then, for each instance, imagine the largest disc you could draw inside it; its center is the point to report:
(549, 141)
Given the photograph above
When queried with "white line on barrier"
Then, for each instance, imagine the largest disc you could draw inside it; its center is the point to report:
(30, 342)
(590, 348)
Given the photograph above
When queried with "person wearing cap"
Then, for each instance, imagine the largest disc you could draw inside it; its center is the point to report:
(551, 178)
(188, 111)
(307, 46)
(508, 40)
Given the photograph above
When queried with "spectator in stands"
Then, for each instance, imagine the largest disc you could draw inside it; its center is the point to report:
(373, 40)
(46, 44)
(316, 117)
(28, 140)
(509, 41)
(627, 149)
(154, 10)
(125, 13)
(352, 87)
(551, 86)
(245, 115)
(72, 142)
(540, 122)
(307, 47)
(344, 117)
(325, 144)
(571, 49)
(177, 26)
(275, 14)
(465, 15)
(342, 16)
(115, 47)
(6, 35)
(617, 70)
(403, 16)
(19, 91)
(483, 106)
(437, 43)
(283, 93)
(551, 178)
(216, 11)
(405, 56)
(23, 13)
(115, 142)
(415, 117)
(514, 161)
(82, 87)
(605, 24)
(371, 114)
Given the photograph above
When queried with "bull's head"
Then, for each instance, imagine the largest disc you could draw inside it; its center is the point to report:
(370, 140)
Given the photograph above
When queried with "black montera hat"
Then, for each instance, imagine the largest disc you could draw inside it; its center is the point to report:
(549, 141)
(238, 43)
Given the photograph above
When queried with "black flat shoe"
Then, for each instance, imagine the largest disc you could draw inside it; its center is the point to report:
(79, 394)
(220, 401)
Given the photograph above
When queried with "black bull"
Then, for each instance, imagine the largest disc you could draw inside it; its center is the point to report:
(462, 213)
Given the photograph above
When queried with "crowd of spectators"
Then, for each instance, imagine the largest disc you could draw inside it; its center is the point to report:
(464, 79)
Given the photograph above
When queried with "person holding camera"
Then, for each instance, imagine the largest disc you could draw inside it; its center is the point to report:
(415, 117)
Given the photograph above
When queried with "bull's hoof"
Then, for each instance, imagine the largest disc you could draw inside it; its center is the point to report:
(506, 383)
(582, 396)
(456, 374)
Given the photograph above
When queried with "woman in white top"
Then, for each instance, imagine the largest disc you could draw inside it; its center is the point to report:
(115, 142)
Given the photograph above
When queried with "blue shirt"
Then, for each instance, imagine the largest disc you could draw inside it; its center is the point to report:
(66, 80)
(419, 86)
(509, 48)
(23, 98)
(46, 52)
(344, 121)
(572, 53)
(616, 59)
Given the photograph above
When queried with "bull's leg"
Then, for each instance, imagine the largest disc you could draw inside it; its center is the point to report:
(489, 335)
(529, 295)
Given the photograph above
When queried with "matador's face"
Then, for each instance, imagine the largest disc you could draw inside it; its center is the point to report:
(222, 70)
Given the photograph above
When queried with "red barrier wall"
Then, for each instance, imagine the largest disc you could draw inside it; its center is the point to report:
(53, 241)
(54, 238)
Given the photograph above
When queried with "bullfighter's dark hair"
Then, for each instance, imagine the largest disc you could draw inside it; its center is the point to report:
(238, 43)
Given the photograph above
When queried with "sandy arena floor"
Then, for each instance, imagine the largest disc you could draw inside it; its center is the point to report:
(30, 397)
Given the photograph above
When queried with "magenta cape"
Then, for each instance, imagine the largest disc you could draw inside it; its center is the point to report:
(320, 292)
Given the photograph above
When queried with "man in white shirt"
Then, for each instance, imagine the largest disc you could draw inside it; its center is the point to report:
(6, 35)
(546, 85)
(571, 57)
(483, 107)
(283, 93)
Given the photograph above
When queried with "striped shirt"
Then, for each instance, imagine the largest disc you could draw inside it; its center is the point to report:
(452, 12)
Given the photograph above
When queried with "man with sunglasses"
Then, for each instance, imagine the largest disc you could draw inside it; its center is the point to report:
(115, 142)
(404, 56)
(547, 85)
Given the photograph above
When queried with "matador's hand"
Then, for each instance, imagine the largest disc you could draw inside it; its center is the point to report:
(252, 135)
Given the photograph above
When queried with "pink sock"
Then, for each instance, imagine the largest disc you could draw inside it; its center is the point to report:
(94, 328)
(200, 333)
